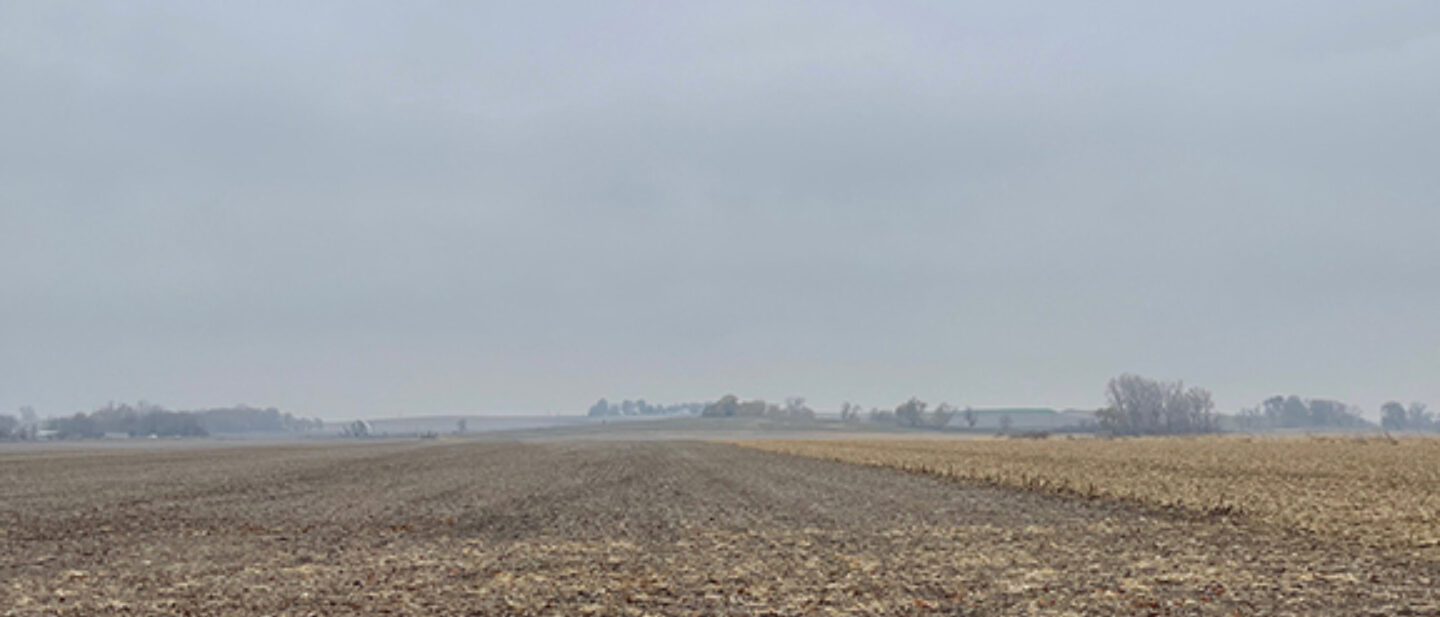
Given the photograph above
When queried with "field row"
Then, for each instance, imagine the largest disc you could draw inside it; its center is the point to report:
(628, 529)
(1375, 491)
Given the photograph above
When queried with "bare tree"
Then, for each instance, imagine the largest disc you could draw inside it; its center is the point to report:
(1393, 416)
(727, 406)
(883, 416)
(1142, 406)
(940, 418)
(911, 412)
(357, 428)
(1419, 417)
(600, 409)
(795, 408)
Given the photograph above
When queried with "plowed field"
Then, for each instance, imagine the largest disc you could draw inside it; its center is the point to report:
(616, 528)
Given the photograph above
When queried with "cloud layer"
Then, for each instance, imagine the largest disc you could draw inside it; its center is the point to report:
(361, 208)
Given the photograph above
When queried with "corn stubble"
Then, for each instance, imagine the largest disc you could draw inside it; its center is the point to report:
(1378, 492)
(629, 529)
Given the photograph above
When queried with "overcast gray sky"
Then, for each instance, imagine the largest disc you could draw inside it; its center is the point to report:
(371, 208)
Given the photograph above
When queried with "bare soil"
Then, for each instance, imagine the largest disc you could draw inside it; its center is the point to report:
(628, 528)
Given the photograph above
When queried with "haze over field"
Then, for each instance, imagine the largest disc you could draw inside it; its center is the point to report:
(362, 209)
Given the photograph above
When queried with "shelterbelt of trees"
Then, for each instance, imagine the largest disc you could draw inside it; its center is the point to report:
(639, 407)
(729, 406)
(146, 419)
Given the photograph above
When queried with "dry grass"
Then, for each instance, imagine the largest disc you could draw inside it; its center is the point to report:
(1379, 492)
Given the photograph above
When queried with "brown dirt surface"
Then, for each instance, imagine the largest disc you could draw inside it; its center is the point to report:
(629, 528)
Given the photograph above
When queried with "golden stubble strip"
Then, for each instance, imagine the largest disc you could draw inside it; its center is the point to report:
(1380, 492)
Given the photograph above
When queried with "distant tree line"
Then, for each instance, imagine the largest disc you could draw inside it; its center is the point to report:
(145, 419)
(1397, 417)
(639, 407)
(730, 406)
(140, 420)
(911, 413)
(246, 419)
(24, 427)
(1295, 412)
(10, 428)
(1135, 405)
